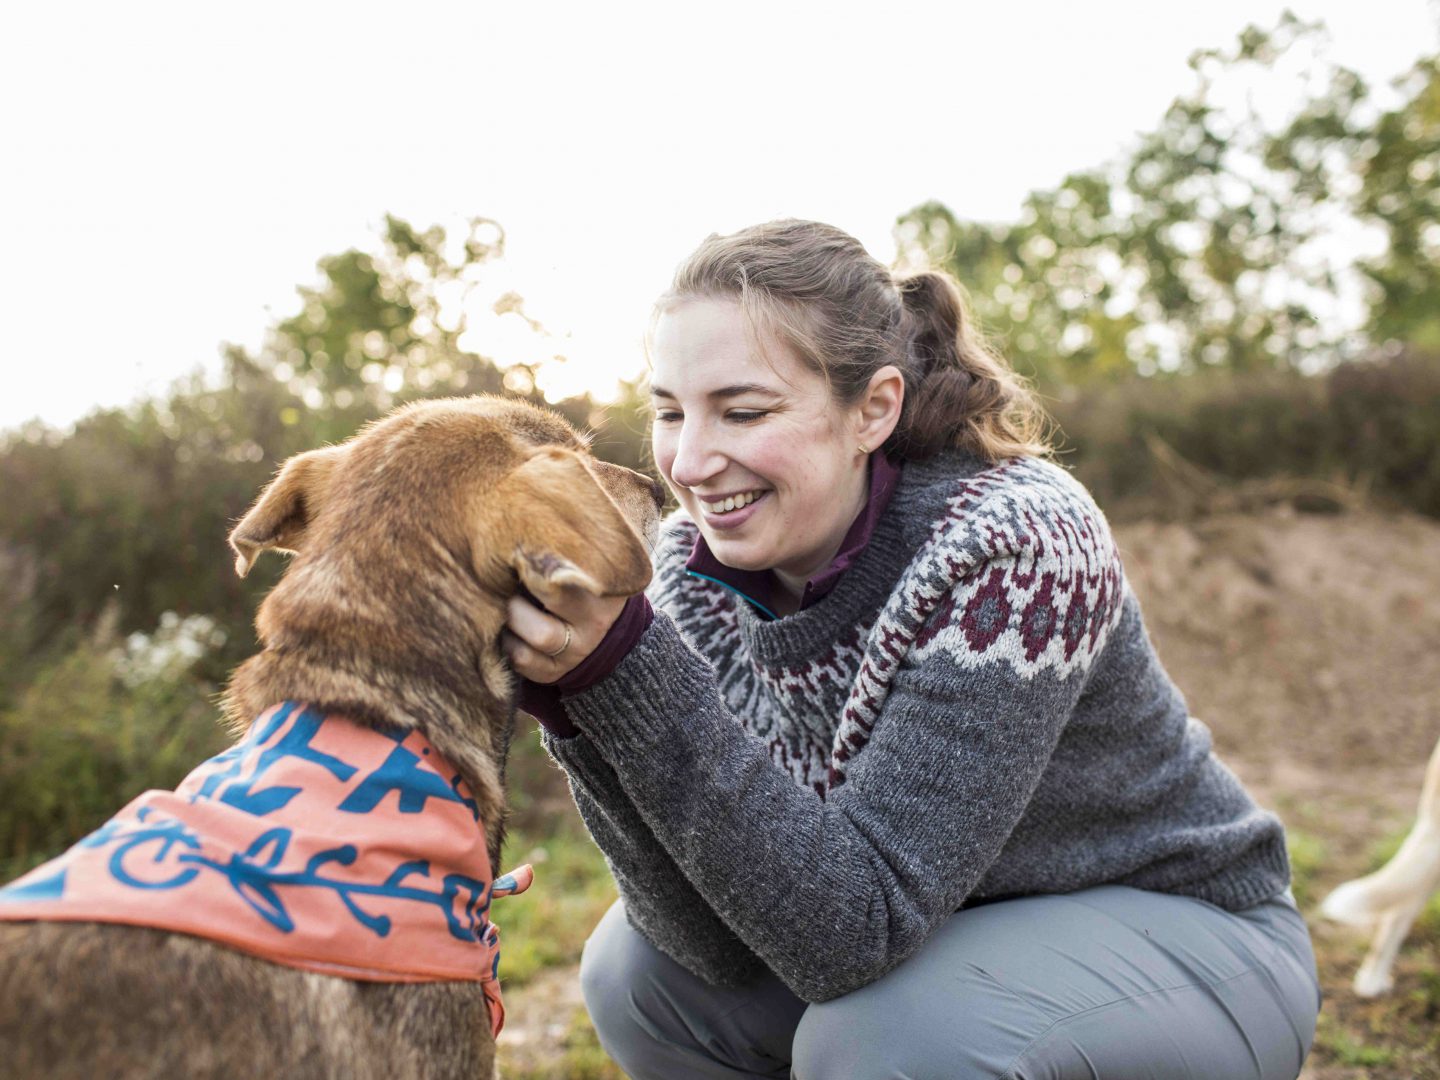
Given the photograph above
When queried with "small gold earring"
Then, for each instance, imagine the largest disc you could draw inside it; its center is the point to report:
(862, 449)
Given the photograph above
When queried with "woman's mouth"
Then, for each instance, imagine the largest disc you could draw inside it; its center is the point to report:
(734, 502)
(730, 512)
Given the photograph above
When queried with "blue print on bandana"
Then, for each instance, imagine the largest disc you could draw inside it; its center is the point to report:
(167, 846)
(294, 744)
(399, 773)
(49, 888)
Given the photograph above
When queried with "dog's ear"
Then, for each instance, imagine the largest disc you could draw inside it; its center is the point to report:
(286, 507)
(567, 531)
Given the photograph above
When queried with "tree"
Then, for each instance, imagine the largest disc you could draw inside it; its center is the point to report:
(1212, 244)
(131, 509)
(1401, 194)
(381, 327)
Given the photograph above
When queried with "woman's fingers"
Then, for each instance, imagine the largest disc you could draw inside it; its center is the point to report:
(543, 646)
(542, 632)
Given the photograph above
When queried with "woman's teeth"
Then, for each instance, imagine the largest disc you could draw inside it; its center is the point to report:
(735, 502)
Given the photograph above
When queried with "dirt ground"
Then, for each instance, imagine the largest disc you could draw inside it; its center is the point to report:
(1310, 644)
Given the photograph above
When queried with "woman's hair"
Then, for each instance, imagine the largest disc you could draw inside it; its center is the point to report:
(846, 315)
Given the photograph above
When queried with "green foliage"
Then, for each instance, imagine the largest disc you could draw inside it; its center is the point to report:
(547, 925)
(1329, 1036)
(1372, 427)
(90, 732)
(133, 508)
(380, 327)
(1401, 194)
(1307, 856)
(1210, 244)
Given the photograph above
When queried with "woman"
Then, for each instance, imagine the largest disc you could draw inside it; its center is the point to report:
(890, 779)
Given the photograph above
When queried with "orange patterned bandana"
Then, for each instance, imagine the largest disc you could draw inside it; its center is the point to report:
(313, 842)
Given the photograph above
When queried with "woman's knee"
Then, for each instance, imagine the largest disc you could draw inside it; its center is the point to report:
(610, 965)
(827, 1043)
(634, 992)
(870, 1036)
(656, 1019)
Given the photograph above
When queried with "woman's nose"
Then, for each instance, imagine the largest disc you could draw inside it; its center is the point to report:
(696, 458)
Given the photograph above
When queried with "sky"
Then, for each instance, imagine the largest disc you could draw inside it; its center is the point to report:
(173, 171)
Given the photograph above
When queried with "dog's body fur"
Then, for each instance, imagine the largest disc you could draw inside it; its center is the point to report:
(1390, 899)
(409, 540)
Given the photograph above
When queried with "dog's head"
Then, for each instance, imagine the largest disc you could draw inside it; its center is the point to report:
(408, 541)
(496, 485)
(455, 500)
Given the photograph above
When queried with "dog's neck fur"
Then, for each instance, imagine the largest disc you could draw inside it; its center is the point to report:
(445, 677)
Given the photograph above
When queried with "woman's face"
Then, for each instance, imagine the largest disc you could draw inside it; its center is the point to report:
(760, 429)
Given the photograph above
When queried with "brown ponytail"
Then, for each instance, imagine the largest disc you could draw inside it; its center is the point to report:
(818, 289)
(958, 392)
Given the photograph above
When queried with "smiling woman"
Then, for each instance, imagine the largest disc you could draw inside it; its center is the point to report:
(749, 440)
(890, 777)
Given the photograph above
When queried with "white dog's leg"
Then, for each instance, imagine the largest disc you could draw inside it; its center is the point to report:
(1374, 978)
(1414, 871)
(1395, 894)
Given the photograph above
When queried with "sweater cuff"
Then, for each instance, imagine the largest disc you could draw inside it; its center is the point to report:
(624, 634)
(543, 700)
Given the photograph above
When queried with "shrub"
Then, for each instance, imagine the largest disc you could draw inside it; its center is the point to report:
(94, 729)
(1367, 427)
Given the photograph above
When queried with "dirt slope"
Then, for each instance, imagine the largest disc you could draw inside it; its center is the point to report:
(1305, 640)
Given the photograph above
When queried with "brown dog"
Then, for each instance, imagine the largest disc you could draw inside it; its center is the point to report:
(408, 541)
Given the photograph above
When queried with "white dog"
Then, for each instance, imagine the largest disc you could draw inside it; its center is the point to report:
(1392, 897)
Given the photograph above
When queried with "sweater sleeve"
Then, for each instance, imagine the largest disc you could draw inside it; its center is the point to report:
(659, 900)
(831, 894)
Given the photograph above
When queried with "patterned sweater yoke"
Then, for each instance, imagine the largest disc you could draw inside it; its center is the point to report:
(973, 712)
(1048, 559)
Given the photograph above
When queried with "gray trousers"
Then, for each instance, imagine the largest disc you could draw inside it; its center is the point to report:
(1107, 983)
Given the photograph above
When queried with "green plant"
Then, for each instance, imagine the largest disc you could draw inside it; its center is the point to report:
(1307, 856)
(547, 925)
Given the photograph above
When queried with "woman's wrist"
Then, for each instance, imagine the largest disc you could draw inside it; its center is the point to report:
(634, 618)
(543, 700)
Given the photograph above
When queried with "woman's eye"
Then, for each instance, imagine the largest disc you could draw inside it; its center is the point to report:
(742, 417)
(666, 416)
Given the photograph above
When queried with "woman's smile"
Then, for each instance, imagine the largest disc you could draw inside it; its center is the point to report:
(731, 513)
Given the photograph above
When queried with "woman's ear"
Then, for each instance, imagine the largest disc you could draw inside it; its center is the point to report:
(878, 410)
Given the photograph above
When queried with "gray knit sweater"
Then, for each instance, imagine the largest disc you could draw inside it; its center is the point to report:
(974, 712)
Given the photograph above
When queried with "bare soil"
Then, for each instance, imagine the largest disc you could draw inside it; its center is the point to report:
(1310, 645)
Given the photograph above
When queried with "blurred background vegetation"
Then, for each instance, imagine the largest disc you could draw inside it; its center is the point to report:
(1193, 314)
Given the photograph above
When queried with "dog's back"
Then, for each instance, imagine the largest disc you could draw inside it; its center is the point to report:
(84, 1000)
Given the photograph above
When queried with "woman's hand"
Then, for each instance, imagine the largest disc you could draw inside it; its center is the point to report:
(545, 644)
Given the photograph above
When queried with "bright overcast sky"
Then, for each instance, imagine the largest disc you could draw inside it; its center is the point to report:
(173, 170)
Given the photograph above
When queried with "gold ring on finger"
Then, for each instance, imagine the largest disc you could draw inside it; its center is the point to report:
(569, 633)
